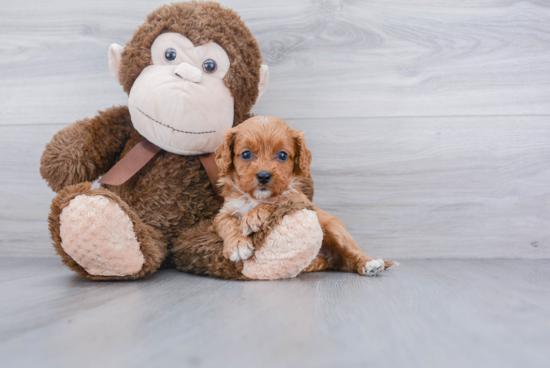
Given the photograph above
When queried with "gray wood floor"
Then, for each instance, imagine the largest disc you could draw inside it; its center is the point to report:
(424, 313)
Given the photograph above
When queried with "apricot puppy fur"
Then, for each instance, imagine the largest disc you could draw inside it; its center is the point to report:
(261, 162)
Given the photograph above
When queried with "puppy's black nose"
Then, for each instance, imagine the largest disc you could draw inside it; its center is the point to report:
(263, 177)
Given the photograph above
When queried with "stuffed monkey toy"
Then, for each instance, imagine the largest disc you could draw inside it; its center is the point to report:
(191, 71)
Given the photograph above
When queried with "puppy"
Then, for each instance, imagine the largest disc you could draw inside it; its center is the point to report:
(264, 163)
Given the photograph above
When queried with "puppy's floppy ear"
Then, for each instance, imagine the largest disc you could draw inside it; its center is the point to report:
(224, 152)
(302, 160)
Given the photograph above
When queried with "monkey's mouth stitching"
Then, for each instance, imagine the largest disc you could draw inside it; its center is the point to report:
(168, 126)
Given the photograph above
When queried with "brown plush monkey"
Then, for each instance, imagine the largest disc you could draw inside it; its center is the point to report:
(192, 70)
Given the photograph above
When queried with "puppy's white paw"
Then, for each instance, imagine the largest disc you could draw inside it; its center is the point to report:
(240, 253)
(372, 268)
(245, 252)
(238, 249)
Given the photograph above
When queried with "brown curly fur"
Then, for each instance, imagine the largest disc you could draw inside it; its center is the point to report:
(86, 149)
(172, 193)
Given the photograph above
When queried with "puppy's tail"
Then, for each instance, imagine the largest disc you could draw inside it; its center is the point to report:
(388, 264)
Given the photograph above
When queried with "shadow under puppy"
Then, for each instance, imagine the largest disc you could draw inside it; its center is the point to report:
(260, 163)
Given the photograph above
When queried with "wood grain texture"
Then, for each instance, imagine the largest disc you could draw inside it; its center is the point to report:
(328, 58)
(24, 197)
(405, 187)
(425, 313)
(436, 187)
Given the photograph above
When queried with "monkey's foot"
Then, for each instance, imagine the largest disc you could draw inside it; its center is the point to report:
(98, 235)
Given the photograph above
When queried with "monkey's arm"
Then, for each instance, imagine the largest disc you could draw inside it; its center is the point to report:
(86, 149)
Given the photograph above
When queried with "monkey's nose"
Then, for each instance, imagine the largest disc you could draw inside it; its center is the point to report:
(263, 177)
(188, 72)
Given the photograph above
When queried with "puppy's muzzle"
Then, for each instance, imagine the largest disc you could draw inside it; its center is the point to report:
(263, 177)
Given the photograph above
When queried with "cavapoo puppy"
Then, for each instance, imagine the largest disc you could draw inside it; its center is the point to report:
(261, 162)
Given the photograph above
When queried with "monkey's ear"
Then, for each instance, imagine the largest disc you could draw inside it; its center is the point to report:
(224, 152)
(302, 160)
(264, 79)
(115, 54)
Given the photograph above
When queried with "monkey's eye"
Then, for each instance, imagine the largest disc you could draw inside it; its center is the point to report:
(283, 156)
(246, 155)
(209, 66)
(170, 55)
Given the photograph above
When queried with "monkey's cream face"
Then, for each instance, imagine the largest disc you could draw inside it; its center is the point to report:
(181, 103)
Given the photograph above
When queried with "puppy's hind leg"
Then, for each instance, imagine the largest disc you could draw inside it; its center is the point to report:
(317, 265)
(346, 253)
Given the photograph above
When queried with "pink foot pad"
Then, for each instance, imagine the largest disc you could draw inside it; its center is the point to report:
(288, 249)
(100, 237)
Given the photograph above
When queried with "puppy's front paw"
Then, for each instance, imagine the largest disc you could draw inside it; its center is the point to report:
(237, 248)
(253, 220)
(372, 268)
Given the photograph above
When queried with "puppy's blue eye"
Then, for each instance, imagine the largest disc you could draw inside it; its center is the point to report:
(246, 155)
(282, 156)
(170, 55)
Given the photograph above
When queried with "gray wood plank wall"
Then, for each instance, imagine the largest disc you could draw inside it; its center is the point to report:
(429, 121)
